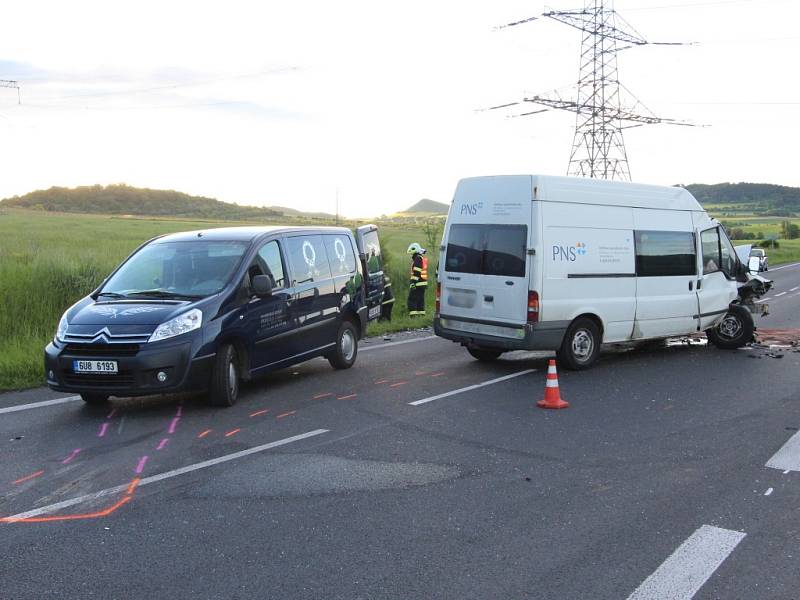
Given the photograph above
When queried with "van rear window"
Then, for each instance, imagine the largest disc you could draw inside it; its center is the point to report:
(487, 249)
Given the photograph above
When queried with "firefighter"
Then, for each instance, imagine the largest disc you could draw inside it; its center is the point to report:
(388, 299)
(418, 281)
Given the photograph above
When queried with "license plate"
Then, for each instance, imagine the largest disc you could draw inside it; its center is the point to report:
(374, 312)
(94, 366)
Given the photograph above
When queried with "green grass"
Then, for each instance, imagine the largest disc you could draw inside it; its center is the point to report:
(48, 261)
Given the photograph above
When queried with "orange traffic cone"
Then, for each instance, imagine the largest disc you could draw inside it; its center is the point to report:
(552, 397)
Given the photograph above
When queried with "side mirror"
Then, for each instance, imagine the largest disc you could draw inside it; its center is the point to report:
(262, 286)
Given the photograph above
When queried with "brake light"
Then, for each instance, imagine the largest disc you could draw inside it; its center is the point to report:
(533, 307)
(438, 297)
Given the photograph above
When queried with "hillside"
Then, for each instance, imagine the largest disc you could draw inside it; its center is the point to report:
(430, 207)
(126, 200)
(293, 212)
(760, 198)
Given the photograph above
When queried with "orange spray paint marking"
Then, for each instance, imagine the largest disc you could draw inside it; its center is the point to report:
(347, 397)
(380, 381)
(259, 412)
(286, 414)
(94, 515)
(420, 373)
(325, 395)
(437, 374)
(398, 384)
(132, 486)
(27, 477)
(233, 432)
(205, 433)
(72, 455)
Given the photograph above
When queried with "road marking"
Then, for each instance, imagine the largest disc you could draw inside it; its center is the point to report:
(162, 443)
(286, 414)
(28, 477)
(471, 387)
(348, 397)
(785, 266)
(768, 492)
(788, 457)
(233, 432)
(794, 289)
(779, 295)
(103, 429)
(140, 465)
(319, 396)
(166, 475)
(173, 424)
(690, 566)
(398, 384)
(390, 344)
(205, 433)
(259, 412)
(72, 455)
(43, 403)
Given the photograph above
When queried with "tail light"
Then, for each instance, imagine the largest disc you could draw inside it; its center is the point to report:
(533, 307)
(438, 297)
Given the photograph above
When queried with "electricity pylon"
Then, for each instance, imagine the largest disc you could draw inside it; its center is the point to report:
(8, 83)
(598, 148)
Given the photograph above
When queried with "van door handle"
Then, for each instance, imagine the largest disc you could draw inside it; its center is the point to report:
(691, 285)
(509, 283)
(488, 298)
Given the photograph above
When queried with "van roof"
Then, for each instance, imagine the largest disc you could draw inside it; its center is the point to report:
(244, 234)
(582, 190)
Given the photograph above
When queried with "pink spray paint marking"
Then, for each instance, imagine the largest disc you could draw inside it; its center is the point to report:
(140, 466)
(112, 413)
(173, 424)
(103, 429)
(179, 412)
(72, 455)
(162, 443)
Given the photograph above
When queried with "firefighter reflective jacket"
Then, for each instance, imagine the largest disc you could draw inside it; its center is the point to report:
(419, 270)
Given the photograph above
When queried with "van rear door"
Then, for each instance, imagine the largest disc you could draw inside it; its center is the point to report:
(485, 271)
(369, 249)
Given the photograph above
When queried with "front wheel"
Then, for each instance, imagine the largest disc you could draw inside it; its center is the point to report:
(734, 330)
(344, 354)
(225, 377)
(581, 345)
(484, 355)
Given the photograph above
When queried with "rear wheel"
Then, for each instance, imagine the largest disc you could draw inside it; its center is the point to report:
(225, 377)
(734, 330)
(346, 350)
(94, 399)
(484, 355)
(581, 345)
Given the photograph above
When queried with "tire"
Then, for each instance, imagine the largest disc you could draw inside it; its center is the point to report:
(225, 377)
(484, 354)
(346, 350)
(581, 345)
(734, 330)
(94, 399)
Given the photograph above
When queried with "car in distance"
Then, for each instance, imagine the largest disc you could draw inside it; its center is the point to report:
(761, 255)
(204, 310)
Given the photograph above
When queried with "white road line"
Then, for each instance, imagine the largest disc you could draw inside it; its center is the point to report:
(471, 387)
(422, 339)
(795, 289)
(778, 295)
(166, 475)
(689, 567)
(788, 457)
(785, 266)
(43, 403)
(768, 492)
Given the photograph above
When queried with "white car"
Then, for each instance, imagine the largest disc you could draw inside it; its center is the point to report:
(761, 255)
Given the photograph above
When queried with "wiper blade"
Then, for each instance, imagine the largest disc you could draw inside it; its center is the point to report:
(111, 295)
(162, 294)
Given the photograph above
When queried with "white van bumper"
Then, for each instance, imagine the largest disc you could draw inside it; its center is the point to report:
(502, 336)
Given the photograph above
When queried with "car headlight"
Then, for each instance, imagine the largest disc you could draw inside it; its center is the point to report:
(61, 331)
(188, 321)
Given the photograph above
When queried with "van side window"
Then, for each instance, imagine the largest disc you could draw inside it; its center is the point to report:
(665, 253)
(340, 254)
(709, 240)
(308, 259)
(487, 249)
(269, 260)
(373, 252)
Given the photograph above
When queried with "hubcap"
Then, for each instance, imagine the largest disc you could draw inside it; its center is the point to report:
(582, 344)
(348, 345)
(233, 379)
(730, 326)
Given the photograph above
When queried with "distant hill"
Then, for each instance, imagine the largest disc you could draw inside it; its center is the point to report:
(126, 200)
(299, 213)
(761, 198)
(428, 207)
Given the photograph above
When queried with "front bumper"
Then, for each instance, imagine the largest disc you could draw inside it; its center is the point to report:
(137, 368)
(501, 336)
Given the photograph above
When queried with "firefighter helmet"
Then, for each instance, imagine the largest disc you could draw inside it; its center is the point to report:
(415, 248)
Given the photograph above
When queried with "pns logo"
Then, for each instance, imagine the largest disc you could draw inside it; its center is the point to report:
(471, 209)
(569, 253)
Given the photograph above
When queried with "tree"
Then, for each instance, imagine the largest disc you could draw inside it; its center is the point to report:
(433, 232)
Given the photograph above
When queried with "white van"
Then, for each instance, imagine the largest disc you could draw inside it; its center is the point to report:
(532, 262)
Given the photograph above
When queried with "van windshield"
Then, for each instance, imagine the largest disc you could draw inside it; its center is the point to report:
(176, 270)
(487, 249)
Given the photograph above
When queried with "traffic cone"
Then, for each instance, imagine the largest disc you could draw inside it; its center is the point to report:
(552, 397)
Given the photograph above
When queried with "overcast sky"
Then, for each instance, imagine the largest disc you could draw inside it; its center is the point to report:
(284, 103)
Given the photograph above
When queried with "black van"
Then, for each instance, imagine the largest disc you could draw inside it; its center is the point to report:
(202, 310)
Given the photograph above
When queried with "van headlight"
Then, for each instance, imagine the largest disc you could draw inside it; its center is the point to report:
(61, 331)
(188, 321)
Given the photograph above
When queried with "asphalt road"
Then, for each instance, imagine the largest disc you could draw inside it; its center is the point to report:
(325, 484)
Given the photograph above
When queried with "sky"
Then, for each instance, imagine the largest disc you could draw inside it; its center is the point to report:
(377, 104)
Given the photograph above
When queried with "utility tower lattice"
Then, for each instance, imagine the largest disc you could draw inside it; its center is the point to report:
(598, 148)
(9, 83)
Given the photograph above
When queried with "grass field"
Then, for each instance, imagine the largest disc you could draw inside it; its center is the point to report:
(48, 261)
